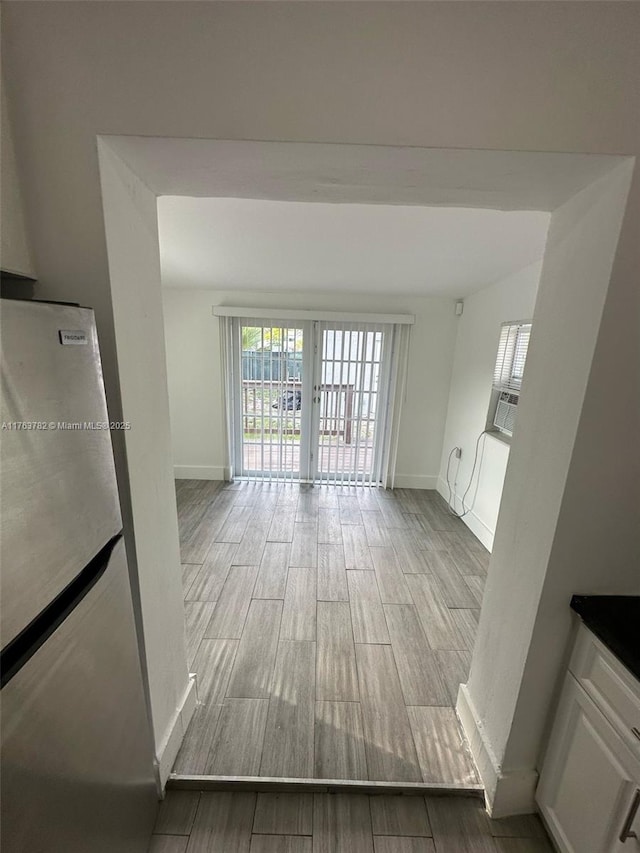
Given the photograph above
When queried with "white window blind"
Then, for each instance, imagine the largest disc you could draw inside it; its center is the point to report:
(512, 355)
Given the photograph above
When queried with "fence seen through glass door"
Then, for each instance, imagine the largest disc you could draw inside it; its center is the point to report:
(349, 370)
(271, 365)
(307, 400)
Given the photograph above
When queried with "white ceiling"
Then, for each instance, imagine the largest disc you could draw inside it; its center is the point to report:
(250, 244)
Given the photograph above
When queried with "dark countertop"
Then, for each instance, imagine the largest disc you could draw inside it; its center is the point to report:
(614, 619)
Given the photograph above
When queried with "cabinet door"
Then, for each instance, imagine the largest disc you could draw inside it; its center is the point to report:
(589, 778)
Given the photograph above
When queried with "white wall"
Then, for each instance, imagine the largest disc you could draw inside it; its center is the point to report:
(501, 76)
(195, 387)
(545, 548)
(15, 253)
(511, 298)
(152, 536)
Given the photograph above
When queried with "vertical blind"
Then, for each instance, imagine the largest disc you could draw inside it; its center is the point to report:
(341, 425)
(512, 355)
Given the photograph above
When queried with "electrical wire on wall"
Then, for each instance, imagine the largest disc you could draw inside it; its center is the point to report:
(452, 494)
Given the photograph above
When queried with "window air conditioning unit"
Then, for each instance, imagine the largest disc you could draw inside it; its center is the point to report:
(505, 416)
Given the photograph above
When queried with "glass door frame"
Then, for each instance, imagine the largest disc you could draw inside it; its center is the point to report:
(382, 423)
(304, 470)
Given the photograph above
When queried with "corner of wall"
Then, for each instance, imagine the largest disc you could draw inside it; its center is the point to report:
(507, 793)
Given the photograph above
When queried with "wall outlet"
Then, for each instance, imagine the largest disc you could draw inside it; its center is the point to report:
(458, 453)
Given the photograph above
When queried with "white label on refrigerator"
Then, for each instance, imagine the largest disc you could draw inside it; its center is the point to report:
(72, 337)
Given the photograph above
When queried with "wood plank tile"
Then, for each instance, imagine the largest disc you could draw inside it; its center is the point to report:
(270, 494)
(288, 743)
(299, 613)
(263, 513)
(235, 524)
(304, 547)
(213, 664)
(483, 557)
(336, 675)
(466, 561)
(209, 581)
(409, 500)
(440, 518)
(454, 671)
(284, 814)
(280, 844)
(523, 845)
(392, 514)
(367, 615)
(399, 844)
(189, 572)
(390, 577)
(198, 525)
(329, 527)
(177, 812)
(437, 623)
(464, 536)
(454, 592)
(349, 510)
(194, 752)
(281, 529)
(398, 815)
(460, 825)
(466, 621)
(236, 748)
(247, 494)
(251, 546)
(521, 826)
(391, 754)
(332, 575)
(418, 667)
(168, 844)
(307, 508)
(374, 529)
(427, 539)
(231, 608)
(255, 659)
(356, 549)
(410, 558)
(339, 741)
(367, 498)
(476, 585)
(272, 575)
(197, 615)
(342, 824)
(442, 751)
(328, 497)
(223, 822)
(288, 495)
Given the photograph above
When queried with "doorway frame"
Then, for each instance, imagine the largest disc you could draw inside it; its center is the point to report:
(130, 212)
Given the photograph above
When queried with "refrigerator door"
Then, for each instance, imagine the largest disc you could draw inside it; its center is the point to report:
(59, 496)
(77, 769)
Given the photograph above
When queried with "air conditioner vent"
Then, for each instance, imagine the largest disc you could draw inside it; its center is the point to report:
(505, 416)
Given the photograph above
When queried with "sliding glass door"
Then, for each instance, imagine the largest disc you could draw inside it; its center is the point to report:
(310, 400)
(271, 377)
(350, 374)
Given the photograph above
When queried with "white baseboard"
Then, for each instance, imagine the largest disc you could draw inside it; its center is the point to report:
(507, 792)
(199, 472)
(475, 524)
(176, 732)
(415, 481)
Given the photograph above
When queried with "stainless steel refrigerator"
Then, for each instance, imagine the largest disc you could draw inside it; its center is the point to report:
(77, 755)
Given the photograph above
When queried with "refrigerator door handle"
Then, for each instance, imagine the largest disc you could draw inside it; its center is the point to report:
(22, 648)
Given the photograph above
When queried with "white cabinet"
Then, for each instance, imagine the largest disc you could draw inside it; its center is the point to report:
(589, 791)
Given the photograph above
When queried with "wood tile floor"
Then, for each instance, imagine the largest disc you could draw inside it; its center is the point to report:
(191, 822)
(330, 628)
